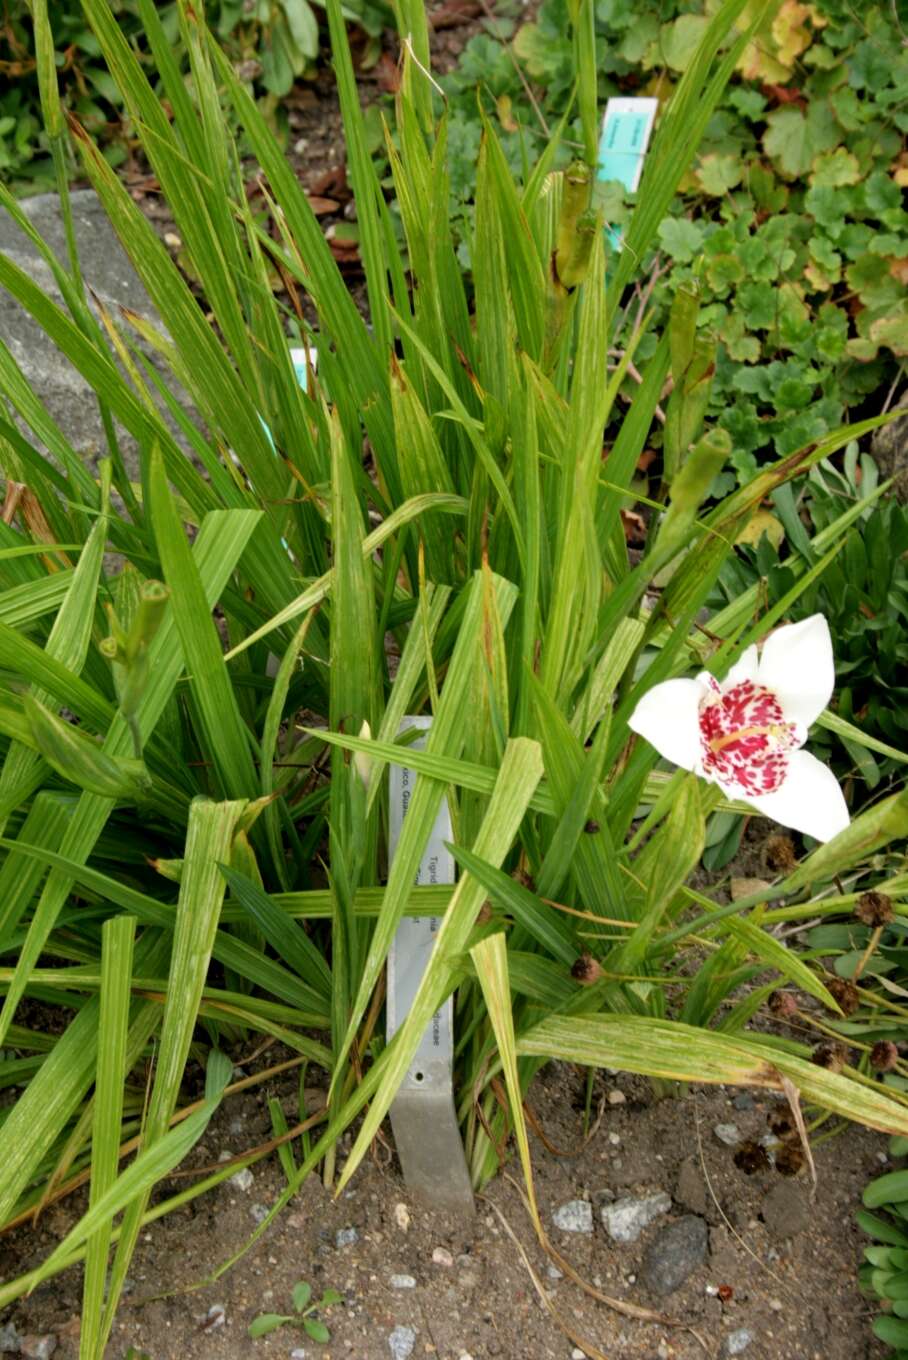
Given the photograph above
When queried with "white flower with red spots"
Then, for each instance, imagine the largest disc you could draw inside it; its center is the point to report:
(745, 734)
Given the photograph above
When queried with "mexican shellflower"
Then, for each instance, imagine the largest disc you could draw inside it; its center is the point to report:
(745, 734)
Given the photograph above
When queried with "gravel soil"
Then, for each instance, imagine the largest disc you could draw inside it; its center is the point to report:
(779, 1273)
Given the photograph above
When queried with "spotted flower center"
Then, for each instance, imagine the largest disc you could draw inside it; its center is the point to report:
(744, 738)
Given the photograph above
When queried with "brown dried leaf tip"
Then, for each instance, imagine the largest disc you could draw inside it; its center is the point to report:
(789, 1159)
(779, 854)
(783, 1005)
(874, 909)
(884, 1056)
(829, 1055)
(750, 1158)
(586, 970)
(845, 994)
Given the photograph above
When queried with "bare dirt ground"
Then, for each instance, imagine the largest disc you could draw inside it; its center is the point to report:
(780, 1267)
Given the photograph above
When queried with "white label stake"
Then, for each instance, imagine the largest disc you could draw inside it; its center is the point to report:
(422, 1114)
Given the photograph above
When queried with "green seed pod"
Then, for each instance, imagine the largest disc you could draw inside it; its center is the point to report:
(575, 269)
(153, 599)
(575, 202)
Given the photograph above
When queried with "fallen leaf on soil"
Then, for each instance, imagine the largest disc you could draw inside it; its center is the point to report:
(453, 13)
(743, 887)
(332, 183)
(634, 526)
(387, 73)
(322, 206)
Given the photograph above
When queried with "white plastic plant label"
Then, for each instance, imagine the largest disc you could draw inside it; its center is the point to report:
(416, 934)
(423, 1116)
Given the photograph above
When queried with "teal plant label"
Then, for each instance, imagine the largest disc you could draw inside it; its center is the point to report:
(626, 130)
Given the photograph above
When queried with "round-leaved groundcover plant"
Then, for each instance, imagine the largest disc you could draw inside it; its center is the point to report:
(745, 733)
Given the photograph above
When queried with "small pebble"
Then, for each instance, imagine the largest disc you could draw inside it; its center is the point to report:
(577, 1354)
(575, 1216)
(727, 1134)
(712, 1290)
(345, 1237)
(403, 1282)
(736, 1343)
(9, 1339)
(37, 1347)
(626, 1219)
(242, 1179)
(776, 1305)
(401, 1343)
(615, 1139)
(298, 1354)
(465, 1355)
(260, 1212)
(882, 1158)
(442, 1257)
(217, 1316)
(744, 1101)
(402, 1216)
(664, 1351)
(617, 1097)
(554, 1273)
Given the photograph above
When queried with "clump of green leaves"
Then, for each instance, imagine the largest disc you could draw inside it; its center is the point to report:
(271, 43)
(885, 1269)
(791, 219)
(303, 1315)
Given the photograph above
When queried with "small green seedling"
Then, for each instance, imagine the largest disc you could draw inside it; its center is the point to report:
(302, 1317)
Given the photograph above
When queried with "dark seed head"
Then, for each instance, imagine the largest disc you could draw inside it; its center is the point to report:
(781, 1124)
(874, 909)
(586, 970)
(845, 993)
(783, 1005)
(790, 1159)
(829, 1055)
(884, 1056)
(751, 1158)
(779, 853)
(591, 827)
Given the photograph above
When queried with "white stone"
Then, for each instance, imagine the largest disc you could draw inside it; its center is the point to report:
(626, 1219)
(401, 1343)
(403, 1282)
(402, 1216)
(242, 1179)
(727, 1134)
(575, 1216)
(442, 1257)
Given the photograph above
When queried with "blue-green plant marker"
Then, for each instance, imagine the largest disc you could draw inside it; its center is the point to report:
(626, 130)
(302, 359)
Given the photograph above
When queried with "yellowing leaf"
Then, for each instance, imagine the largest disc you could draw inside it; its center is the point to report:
(760, 523)
(891, 331)
(833, 169)
(790, 32)
(758, 63)
(716, 174)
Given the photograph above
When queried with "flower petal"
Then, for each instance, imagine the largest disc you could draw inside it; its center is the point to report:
(810, 799)
(796, 664)
(745, 668)
(668, 716)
